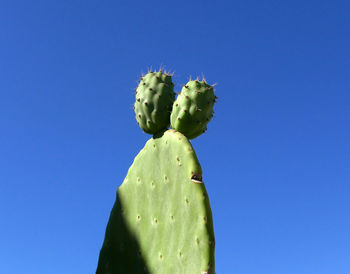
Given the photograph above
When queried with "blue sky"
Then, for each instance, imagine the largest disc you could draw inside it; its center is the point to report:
(276, 156)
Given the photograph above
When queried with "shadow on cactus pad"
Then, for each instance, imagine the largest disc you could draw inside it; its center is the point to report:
(120, 252)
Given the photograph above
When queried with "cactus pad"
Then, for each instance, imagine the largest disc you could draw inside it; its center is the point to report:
(161, 221)
(154, 99)
(193, 108)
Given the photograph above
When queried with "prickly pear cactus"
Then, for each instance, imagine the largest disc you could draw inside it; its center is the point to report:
(154, 100)
(161, 221)
(193, 108)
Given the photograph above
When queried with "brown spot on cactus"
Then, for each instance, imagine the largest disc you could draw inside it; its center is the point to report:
(196, 178)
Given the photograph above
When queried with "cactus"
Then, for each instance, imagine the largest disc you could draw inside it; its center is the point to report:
(164, 205)
(154, 99)
(193, 108)
(161, 221)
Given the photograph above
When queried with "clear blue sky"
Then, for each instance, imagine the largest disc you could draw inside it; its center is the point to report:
(276, 156)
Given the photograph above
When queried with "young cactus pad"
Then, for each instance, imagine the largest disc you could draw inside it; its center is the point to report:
(193, 108)
(161, 221)
(154, 99)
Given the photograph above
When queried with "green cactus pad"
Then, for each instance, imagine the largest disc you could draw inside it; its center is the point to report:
(154, 99)
(161, 221)
(193, 108)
